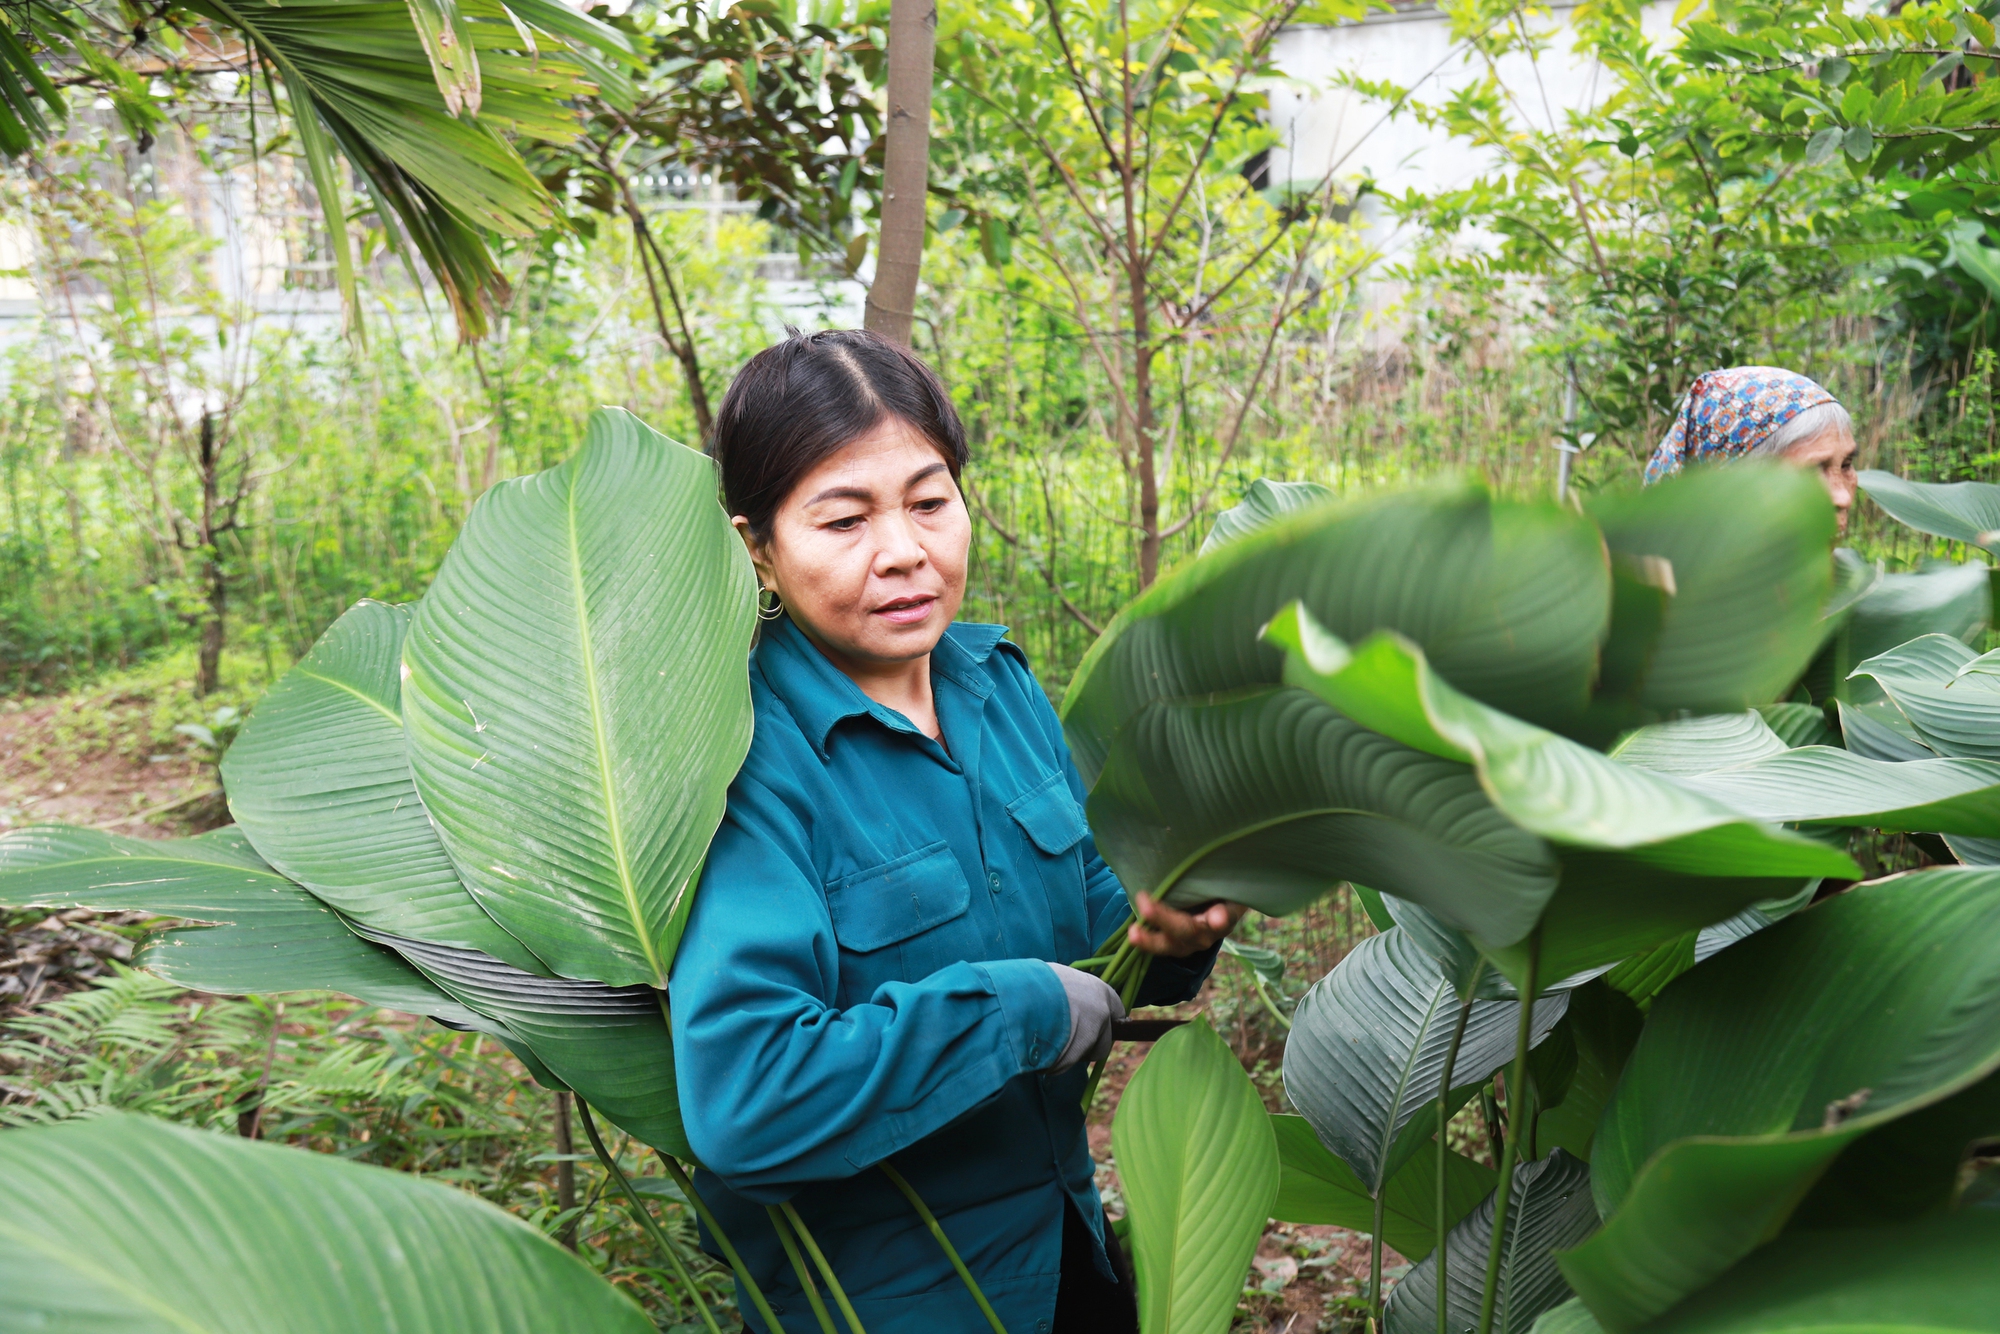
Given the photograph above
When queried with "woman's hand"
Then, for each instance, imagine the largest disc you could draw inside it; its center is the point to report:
(1174, 934)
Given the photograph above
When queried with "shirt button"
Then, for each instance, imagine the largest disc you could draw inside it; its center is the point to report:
(993, 881)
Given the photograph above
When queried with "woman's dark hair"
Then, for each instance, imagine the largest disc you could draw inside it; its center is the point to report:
(798, 401)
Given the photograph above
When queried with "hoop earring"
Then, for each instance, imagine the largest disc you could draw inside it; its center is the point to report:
(774, 610)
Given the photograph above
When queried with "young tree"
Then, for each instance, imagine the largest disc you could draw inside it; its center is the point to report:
(1119, 143)
(906, 169)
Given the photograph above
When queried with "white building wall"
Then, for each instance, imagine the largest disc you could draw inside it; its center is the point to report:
(1329, 129)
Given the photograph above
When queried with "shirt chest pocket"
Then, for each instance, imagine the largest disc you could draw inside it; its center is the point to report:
(890, 915)
(1055, 827)
(1049, 816)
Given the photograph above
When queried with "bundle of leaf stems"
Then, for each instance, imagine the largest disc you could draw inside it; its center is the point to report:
(792, 1234)
(1123, 967)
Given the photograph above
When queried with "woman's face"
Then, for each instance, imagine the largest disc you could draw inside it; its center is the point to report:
(1832, 453)
(868, 550)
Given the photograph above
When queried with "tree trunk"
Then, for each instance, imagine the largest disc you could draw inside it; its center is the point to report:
(208, 676)
(906, 156)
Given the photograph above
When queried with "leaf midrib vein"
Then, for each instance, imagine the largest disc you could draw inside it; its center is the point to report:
(614, 822)
(370, 701)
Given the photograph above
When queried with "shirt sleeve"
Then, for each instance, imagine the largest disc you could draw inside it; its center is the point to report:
(778, 1086)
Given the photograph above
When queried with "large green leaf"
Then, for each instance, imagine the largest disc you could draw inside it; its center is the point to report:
(1263, 503)
(1645, 858)
(1923, 1277)
(1824, 785)
(265, 935)
(1270, 798)
(121, 1223)
(1798, 724)
(578, 698)
(320, 781)
(1603, 1027)
(1948, 695)
(1317, 1188)
(1742, 557)
(1548, 1209)
(1951, 600)
(1961, 511)
(1367, 1049)
(1509, 600)
(1879, 731)
(1892, 609)
(1199, 1163)
(1760, 1066)
(610, 1044)
(1700, 745)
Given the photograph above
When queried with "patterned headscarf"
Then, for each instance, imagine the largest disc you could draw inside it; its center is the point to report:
(1728, 413)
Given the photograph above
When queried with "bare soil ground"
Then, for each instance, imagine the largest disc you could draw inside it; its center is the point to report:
(99, 764)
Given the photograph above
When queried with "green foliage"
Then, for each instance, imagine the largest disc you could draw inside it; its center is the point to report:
(1318, 1187)
(571, 742)
(317, 1073)
(1199, 1162)
(405, 118)
(141, 1224)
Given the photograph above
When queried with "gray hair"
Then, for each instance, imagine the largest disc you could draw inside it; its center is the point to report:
(1808, 425)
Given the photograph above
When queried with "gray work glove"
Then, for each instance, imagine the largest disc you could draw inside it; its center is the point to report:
(1093, 1008)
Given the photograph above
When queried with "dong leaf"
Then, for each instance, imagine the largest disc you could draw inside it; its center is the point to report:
(320, 780)
(1263, 503)
(610, 1044)
(1603, 1026)
(1946, 693)
(264, 933)
(1954, 601)
(1470, 972)
(1645, 857)
(578, 699)
(1800, 724)
(1927, 1276)
(1270, 798)
(1824, 785)
(122, 1223)
(1316, 1188)
(1199, 1163)
(1742, 556)
(1366, 1053)
(1700, 745)
(1871, 1006)
(1962, 511)
(1510, 601)
(1549, 1209)
(1951, 600)
(1879, 731)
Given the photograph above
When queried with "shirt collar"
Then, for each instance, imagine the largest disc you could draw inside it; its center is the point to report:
(820, 695)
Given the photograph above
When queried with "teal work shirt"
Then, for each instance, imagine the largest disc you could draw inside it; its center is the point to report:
(862, 980)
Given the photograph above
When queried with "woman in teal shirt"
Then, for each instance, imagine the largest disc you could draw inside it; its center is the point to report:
(873, 970)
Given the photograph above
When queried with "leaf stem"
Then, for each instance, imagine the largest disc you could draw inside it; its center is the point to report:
(1444, 1120)
(1517, 1110)
(1264, 995)
(799, 1268)
(825, 1269)
(950, 1252)
(646, 1218)
(1375, 1257)
(701, 1209)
